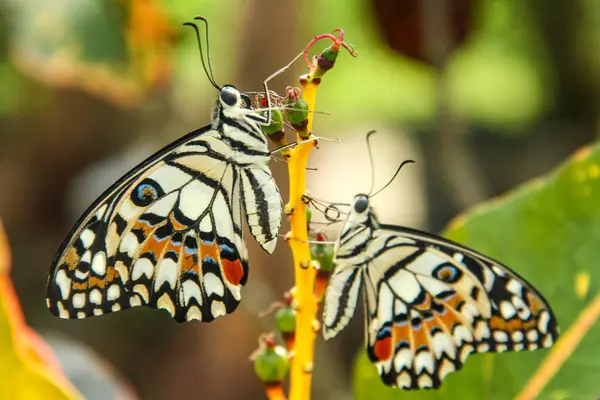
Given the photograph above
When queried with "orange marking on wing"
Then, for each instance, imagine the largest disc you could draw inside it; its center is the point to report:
(448, 319)
(111, 275)
(143, 226)
(400, 333)
(209, 250)
(172, 246)
(425, 305)
(154, 246)
(419, 338)
(188, 264)
(176, 224)
(383, 348)
(511, 325)
(71, 258)
(454, 301)
(534, 303)
(233, 271)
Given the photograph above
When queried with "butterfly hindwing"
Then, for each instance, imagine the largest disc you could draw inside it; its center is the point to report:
(167, 235)
(437, 302)
(429, 302)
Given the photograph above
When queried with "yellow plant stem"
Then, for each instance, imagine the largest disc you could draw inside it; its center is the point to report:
(304, 273)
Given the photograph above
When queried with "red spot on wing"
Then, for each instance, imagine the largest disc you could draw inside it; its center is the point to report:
(233, 271)
(383, 348)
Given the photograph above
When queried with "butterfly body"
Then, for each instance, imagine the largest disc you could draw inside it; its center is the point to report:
(169, 233)
(430, 303)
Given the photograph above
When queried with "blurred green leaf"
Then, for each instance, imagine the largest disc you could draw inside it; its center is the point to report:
(548, 231)
(118, 50)
(501, 78)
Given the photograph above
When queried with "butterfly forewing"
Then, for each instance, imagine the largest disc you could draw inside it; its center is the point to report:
(169, 234)
(430, 303)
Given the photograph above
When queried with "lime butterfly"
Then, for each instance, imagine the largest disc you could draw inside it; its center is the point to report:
(430, 302)
(168, 234)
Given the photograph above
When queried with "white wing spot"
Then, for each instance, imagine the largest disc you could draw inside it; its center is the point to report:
(87, 238)
(116, 307)
(79, 300)
(142, 291)
(135, 301)
(501, 347)
(500, 336)
(464, 352)
(99, 263)
(113, 292)
(142, 266)
(543, 321)
(165, 303)
(62, 313)
(64, 283)
(425, 381)
(193, 313)
(87, 257)
(424, 361)
(217, 308)
(129, 244)
(95, 296)
(212, 284)
(532, 335)
(191, 290)
(514, 287)
(507, 310)
(517, 336)
(166, 271)
(404, 380)
(445, 368)
(483, 347)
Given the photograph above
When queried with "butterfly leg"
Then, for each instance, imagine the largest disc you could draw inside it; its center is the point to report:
(273, 75)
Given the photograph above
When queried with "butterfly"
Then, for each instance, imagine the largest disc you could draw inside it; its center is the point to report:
(168, 234)
(430, 302)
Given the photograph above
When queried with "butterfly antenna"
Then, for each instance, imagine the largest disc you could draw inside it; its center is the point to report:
(207, 70)
(393, 177)
(371, 162)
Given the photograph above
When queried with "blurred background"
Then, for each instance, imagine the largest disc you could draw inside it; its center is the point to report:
(483, 94)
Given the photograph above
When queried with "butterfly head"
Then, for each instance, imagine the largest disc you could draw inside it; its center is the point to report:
(229, 97)
(361, 213)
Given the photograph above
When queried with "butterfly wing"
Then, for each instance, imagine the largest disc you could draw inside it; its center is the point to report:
(432, 302)
(167, 235)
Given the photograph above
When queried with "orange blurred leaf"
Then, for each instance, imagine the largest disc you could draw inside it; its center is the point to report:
(28, 368)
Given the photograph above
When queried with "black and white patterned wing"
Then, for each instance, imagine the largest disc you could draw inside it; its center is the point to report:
(431, 303)
(167, 235)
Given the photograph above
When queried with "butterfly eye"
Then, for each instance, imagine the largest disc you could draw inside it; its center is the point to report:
(229, 96)
(146, 192)
(447, 273)
(361, 204)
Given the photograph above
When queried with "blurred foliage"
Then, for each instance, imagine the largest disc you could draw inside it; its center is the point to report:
(548, 231)
(118, 50)
(28, 369)
(501, 78)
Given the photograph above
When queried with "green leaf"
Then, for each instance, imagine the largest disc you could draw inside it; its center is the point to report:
(116, 50)
(548, 231)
